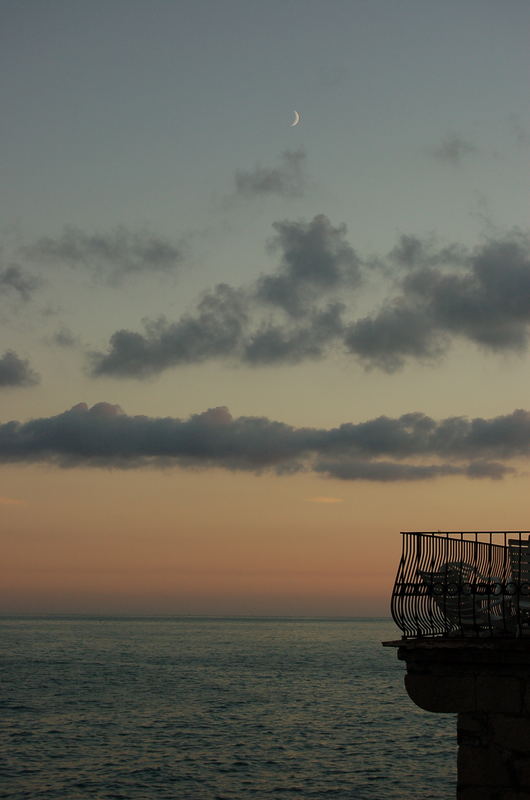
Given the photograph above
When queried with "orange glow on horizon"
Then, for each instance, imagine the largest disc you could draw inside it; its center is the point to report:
(214, 542)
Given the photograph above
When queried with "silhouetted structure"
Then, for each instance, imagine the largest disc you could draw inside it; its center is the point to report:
(462, 601)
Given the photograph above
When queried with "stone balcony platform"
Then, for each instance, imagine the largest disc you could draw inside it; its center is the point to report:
(486, 682)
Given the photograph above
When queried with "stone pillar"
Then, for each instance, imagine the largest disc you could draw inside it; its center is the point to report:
(487, 683)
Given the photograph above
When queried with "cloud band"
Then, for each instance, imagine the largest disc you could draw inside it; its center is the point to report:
(408, 448)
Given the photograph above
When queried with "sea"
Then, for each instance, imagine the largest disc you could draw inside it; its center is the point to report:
(214, 709)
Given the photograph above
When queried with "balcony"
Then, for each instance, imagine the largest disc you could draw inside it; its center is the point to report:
(463, 584)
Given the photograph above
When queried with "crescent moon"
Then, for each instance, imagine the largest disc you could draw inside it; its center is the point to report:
(296, 119)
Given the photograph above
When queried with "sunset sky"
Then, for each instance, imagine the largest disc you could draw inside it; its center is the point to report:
(239, 357)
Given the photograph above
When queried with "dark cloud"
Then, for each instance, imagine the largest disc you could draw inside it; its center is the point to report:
(413, 252)
(416, 434)
(110, 255)
(15, 371)
(288, 344)
(489, 302)
(391, 471)
(485, 299)
(229, 323)
(315, 258)
(14, 282)
(382, 449)
(384, 471)
(453, 148)
(214, 331)
(488, 469)
(306, 306)
(286, 180)
(396, 332)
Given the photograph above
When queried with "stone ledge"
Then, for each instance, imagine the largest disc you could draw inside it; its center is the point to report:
(485, 643)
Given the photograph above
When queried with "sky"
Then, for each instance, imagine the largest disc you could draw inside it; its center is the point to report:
(240, 356)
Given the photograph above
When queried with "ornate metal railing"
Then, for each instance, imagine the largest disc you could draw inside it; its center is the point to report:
(463, 584)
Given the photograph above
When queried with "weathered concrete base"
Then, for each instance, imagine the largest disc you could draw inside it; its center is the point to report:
(487, 683)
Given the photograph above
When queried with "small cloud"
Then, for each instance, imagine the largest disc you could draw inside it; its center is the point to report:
(286, 180)
(15, 371)
(10, 501)
(15, 282)
(111, 254)
(324, 500)
(63, 337)
(453, 149)
(488, 469)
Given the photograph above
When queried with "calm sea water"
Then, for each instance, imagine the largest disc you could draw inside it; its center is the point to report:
(214, 709)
